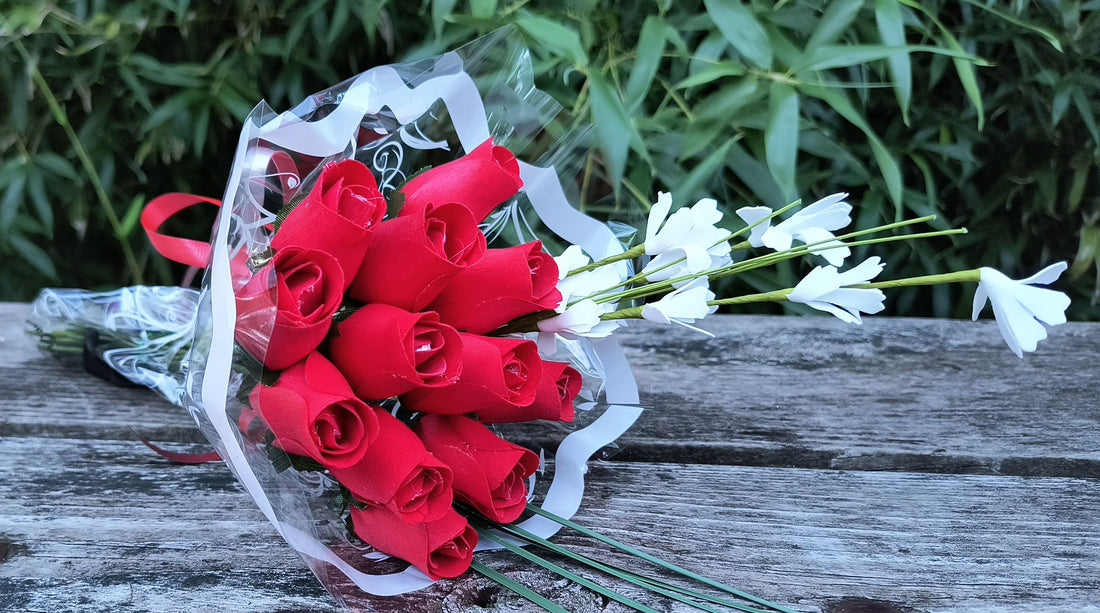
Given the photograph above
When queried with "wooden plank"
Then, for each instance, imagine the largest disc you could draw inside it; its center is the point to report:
(894, 394)
(93, 525)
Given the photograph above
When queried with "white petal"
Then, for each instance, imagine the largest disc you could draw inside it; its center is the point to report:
(751, 215)
(571, 259)
(776, 238)
(657, 214)
(979, 302)
(829, 213)
(1047, 275)
(834, 252)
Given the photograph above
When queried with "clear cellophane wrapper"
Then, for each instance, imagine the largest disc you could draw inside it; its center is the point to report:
(397, 120)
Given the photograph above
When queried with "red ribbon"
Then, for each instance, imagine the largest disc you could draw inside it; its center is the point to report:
(183, 250)
(182, 458)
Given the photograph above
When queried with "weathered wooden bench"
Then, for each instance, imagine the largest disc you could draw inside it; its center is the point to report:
(904, 465)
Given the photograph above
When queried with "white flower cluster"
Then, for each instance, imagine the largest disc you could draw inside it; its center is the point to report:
(687, 246)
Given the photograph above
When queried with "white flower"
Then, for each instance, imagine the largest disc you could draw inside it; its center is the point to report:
(1020, 309)
(689, 234)
(571, 259)
(810, 225)
(582, 318)
(826, 289)
(682, 306)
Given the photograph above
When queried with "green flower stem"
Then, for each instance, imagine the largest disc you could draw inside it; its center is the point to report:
(964, 276)
(780, 295)
(86, 161)
(762, 261)
(654, 560)
(563, 572)
(517, 587)
(629, 254)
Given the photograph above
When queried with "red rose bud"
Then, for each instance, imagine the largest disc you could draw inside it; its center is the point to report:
(385, 351)
(497, 373)
(398, 473)
(490, 473)
(479, 180)
(412, 257)
(440, 548)
(504, 285)
(554, 398)
(337, 216)
(312, 412)
(285, 310)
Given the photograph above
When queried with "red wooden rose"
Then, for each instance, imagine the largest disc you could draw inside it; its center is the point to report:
(504, 285)
(338, 215)
(312, 412)
(490, 473)
(285, 310)
(398, 473)
(496, 373)
(385, 351)
(480, 180)
(412, 257)
(554, 398)
(440, 548)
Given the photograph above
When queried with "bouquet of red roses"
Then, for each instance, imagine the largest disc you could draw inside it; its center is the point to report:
(360, 314)
(381, 296)
(354, 352)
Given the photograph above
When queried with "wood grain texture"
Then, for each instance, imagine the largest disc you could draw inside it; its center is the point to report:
(905, 465)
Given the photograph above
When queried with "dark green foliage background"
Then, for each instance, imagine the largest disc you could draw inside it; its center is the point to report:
(986, 118)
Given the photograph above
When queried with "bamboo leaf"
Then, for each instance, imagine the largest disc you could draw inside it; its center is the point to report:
(612, 124)
(33, 255)
(483, 9)
(888, 166)
(718, 71)
(651, 46)
(555, 36)
(891, 27)
(1049, 36)
(695, 182)
(781, 136)
(741, 30)
(441, 10)
(838, 15)
(842, 56)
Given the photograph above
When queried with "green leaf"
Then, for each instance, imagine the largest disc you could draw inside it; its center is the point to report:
(56, 165)
(36, 188)
(133, 213)
(1085, 109)
(651, 47)
(441, 10)
(891, 27)
(483, 9)
(991, 8)
(741, 30)
(842, 56)
(963, 68)
(694, 184)
(781, 136)
(612, 124)
(9, 204)
(888, 166)
(718, 71)
(838, 15)
(33, 255)
(555, 36)
(753, 174)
